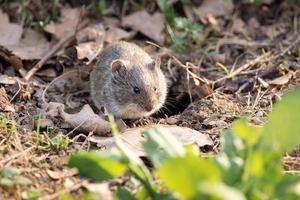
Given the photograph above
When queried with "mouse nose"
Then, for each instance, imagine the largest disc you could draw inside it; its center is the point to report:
(148, 107)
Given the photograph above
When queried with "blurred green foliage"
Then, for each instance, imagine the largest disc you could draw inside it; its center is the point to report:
(248, 167)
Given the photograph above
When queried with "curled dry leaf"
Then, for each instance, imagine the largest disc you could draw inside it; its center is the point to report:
(8, 80)
(86, 120)
(10, 33)
(87, 50)
(90, 41)
(33, 45)
(114, 34)
(27, 44)
(215, 8)
(101, 189)
(66, 25)
(149, 25)
(282, 80)
(12, 59)
(61, 174)
(133, 137)
(4, 102)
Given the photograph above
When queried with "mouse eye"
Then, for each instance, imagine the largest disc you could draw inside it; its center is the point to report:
(136, 90)
(154, 89)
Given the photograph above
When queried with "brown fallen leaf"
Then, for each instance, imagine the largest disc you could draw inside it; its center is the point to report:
(10, 33)
(33, 45)
(114, 34)
(8, 80)
(4, 102)
(133, 137)
(282, 80)
(216, 8)
(90, 41)
(86, 120)
(27, 44)
(61, 174)
(101, 189)
(66, 25)
(87, 50)
(239, 26)
(149, 25)
(12, 59)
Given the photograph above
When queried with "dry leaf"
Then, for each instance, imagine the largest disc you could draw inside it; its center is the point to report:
(66, 25)
(239, 26)
(282, 80)
(101, 189)
(61, 174)
(90, 41)
(114, 34)
(216, 8)
(12, 59)
(87, 50)
(8, 80)
(149, 25)
(4, 102)
(33, 45)
(86, 120)
(10, 33)
(133, 137)
(94, 32)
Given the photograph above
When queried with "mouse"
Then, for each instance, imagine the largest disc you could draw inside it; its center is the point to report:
(127, 82)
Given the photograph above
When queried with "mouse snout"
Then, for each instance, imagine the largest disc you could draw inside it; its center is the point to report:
(149, 104)
(148, 107)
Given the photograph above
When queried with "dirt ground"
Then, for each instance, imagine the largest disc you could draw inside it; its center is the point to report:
(244, 64)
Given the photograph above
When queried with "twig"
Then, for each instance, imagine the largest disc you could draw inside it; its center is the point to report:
(57, 78)
(289, 47)
(16, 155)
(68, 190)
(36, 67)
(58, 45)
(262, 58)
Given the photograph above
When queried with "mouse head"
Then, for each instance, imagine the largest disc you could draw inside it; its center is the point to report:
(139, 88)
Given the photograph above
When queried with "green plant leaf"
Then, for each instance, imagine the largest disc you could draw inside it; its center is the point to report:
(221, 192)
(6, 182)
(9, 172)
(98, 166)
(136, 166)
(249, 134)
(282, 128)
(230, 144)
(31, 194)
(123, 194)
(22, 181)
(160, 145)
(184, 175)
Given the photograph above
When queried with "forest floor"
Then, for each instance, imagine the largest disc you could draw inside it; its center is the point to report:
(248, 57)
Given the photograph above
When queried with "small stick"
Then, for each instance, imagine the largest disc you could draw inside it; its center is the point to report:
(68, 190)
(262, 58)
(58, 45)
(16, 155)
(36, 67)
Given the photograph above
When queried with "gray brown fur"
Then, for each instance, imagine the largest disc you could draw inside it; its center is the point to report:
(115, 89)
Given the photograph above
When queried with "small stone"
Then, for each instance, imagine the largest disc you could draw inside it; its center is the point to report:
(259, 114)
(171, 120)
(46, 123)
(264, 103)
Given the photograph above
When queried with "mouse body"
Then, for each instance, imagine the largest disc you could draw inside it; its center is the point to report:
(128, 82)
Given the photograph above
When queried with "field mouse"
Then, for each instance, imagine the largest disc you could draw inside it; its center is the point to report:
(128, 82)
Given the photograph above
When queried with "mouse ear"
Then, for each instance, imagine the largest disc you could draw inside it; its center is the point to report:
(155, 63)
(117, 65)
